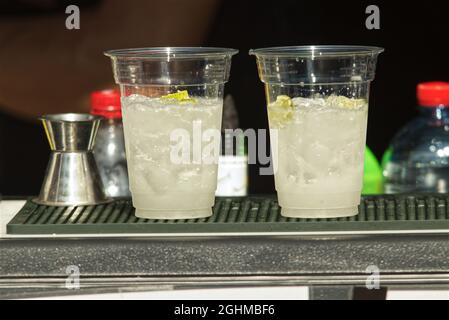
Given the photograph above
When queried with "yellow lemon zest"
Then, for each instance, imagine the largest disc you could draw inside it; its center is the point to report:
(181, 96)
(345, 102)
(280, 112)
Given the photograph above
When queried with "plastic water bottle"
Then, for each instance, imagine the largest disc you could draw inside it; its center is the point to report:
(417, 159)
(109, 148)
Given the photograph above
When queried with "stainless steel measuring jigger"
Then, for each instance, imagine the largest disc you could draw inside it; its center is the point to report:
(72, 176)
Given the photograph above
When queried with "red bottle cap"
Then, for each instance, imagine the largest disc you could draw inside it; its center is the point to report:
(433, 94)
(106, 103)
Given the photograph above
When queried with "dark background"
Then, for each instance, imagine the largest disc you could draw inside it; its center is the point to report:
(415, 38)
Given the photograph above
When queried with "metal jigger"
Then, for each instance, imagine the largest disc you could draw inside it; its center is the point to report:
(72, 176)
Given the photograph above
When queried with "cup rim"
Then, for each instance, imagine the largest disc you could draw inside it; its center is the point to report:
(70, 117)
(170, 52)
(316, 51)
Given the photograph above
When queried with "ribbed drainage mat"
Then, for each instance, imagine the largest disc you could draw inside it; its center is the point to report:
(253, 214)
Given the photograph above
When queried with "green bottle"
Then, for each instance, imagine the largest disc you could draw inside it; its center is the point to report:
(372, 177)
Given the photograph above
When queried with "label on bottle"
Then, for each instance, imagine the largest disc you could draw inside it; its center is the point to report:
(232, 176)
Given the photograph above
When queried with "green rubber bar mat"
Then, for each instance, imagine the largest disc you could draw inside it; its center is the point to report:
(252, 214)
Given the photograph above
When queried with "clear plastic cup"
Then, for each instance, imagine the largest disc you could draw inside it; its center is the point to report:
(317, 99)
(172, 106)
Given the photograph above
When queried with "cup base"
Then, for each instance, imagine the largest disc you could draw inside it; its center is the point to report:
(319, 205)
(169, 215)
(319, 213)
(173, 205)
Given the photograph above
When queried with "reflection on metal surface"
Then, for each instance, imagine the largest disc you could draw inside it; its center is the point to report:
(321, 286)
(72, 176)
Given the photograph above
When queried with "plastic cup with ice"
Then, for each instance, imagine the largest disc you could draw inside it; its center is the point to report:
(317, 99)
(172, 104)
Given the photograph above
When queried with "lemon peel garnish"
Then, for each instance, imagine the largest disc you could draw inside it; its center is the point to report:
(345, 102)
(280, 112)
(284, 101)
(181, 96)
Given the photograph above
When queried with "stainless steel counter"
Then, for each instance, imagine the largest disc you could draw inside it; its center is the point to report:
(109, 262)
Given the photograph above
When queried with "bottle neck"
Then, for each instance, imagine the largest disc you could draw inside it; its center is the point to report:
(112, 121)
(438, 113)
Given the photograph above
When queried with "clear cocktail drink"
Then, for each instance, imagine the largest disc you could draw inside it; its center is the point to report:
(172, 106)
(167, 178)
(319, 154)
(317, 99)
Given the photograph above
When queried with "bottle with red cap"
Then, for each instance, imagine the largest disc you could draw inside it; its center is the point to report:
(109, 149)
(418, 157)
